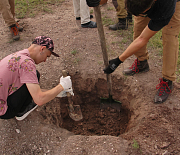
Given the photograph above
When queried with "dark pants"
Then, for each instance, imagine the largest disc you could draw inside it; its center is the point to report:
(18, 101)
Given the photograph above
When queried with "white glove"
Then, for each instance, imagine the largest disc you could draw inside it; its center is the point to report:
(66, 82)
(63, 93)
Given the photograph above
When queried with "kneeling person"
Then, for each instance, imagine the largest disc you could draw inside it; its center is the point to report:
(20, 92)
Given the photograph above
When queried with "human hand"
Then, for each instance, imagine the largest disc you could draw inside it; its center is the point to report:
(92, 3)
(64, 93)
(113, 64)
(66, 82)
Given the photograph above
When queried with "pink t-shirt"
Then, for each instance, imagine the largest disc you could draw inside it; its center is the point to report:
(15, 70)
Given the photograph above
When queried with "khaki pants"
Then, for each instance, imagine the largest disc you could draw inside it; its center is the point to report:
(81, 9)
(7, 9)
(170, 43)
(120, 8)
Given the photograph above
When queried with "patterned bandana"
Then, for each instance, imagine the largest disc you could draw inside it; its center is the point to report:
(45, 41)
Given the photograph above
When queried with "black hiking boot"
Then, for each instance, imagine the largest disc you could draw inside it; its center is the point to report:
(137, 67)
(22, 115)
(164, 89)
(121, 25)
(129, 18)
(90, 24)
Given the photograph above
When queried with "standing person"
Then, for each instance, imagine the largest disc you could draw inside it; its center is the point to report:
(152, 16)
(123, 17)
(7, 8)
(81, 11)
(20, 92)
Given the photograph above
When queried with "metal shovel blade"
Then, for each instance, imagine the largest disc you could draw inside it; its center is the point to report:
(110, 102)
(75, 112)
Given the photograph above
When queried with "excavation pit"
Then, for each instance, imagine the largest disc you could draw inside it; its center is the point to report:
(97, 119)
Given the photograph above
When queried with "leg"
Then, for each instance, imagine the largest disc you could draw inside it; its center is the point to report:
(85, 16)
(5, 9)
(84, 11)
(140, 64)
(18, 101)
(171, 45)
(12, 5)
(121, 11)
(76, 5)
(139, 24)
(170, 56)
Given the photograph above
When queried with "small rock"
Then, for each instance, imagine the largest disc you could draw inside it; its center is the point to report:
(34, 147)
(18, 131)
(155, 147)
(164, 145)
(165, 153)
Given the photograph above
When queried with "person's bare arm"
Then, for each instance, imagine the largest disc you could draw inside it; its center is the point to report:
(41, 97)
(138, 43)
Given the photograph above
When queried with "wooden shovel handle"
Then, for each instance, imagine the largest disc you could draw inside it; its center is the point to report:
(102, 39)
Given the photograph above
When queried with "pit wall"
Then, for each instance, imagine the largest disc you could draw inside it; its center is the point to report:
(89, 89)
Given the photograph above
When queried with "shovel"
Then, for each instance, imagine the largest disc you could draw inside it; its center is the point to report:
(74, 110)
(105, 102)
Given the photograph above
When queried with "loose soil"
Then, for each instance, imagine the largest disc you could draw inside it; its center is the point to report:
(141, 127)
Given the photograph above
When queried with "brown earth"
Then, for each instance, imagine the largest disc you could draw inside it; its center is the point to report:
(141, 127)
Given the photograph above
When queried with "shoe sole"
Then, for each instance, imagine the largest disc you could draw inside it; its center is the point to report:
(26, 114)
(159, 102)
